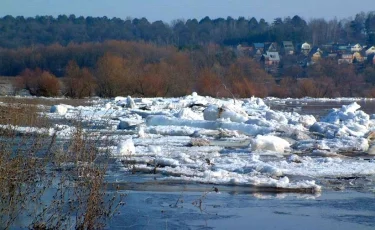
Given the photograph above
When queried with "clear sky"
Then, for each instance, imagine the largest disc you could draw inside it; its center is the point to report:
(167, 10)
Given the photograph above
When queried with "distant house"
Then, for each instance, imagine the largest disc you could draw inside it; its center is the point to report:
(356, 48)
(271, 47)
(259, 46)
(346, 58)
(357, 56)
(258, 55)
(341, 48)
(371, 50)
(244, 50)
(272, 57)
(305, 48)
(332, 55)
(316, 56)
(271, 62)
(288, 47)
(328, 48)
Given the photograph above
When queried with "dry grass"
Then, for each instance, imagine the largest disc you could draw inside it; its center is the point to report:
(7, 80)
(20, 170)
(18, 111)
(36, 167)
(45, 101)
(18, 114)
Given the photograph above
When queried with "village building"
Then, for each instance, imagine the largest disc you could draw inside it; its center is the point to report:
(258, 46)
(327, 48)
(270, 53)
(305, 48)
(341, 49)
(357, 57)
(271, 47)
(332, 55)
(258, 55)
(244, 50)
(371, 50)
(356, 48)
(271, 62)
(346, 58)
(288, 48)
(316, 56)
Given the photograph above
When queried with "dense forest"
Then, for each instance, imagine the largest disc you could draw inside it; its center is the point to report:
(45, 30)
(80, 57)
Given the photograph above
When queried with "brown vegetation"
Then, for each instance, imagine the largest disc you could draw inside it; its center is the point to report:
(332, 79)
(50, 184)
(249, 79)
(284, 89)
(79, 83)
(119, 68)
(18, 114)
(110, 75)
(209, 84)
(40, 83)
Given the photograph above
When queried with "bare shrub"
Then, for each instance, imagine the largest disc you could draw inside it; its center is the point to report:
(247, 78)
(279, 91)
(47, 85)
(319, 87)
(21, 170)
(40, 83)
(306, 88)
(110, 75)
(209, 84)
(79, 83)
(244, 88)
(286, 88)
(247, 88)
(81, 199)
(56, 184)
(371, 93)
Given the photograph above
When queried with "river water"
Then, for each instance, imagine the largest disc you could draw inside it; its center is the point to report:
(346, 204)
(319, 108)
(231, 210)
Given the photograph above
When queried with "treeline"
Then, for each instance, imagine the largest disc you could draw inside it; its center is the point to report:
(130, 68)
(54, 58)
(18, 31)
(117, 68)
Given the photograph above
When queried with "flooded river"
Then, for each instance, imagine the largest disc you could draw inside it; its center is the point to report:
(153, 202)
(343, 205)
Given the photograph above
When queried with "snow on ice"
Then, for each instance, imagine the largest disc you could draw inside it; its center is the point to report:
(232, 142)
(125, 148)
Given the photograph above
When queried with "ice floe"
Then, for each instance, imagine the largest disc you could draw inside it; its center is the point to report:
(269, 143)
(60, 109)
(125, 148)
(244, 142)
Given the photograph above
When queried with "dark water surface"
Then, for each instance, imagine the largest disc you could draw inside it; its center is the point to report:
(318, 108)
(181, 210)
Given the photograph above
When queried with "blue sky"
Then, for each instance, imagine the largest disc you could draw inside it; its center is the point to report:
(167, 10)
